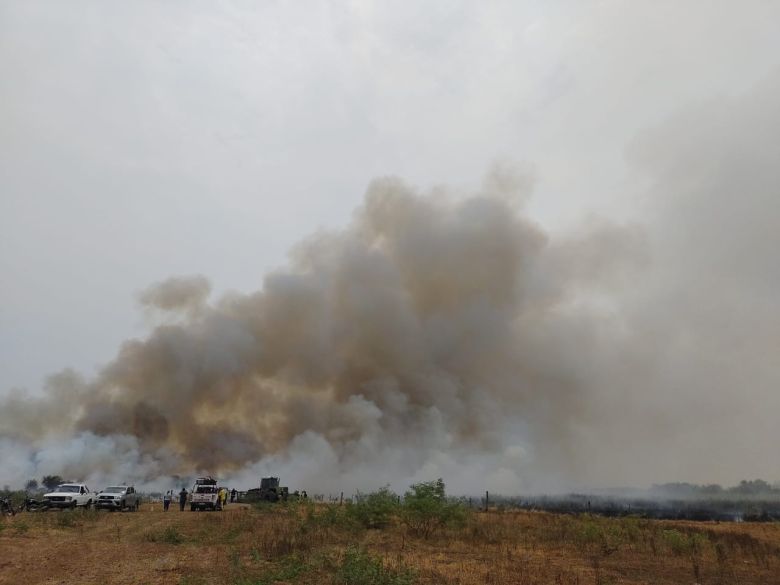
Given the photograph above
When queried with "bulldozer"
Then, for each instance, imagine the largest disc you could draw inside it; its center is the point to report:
(269, 491)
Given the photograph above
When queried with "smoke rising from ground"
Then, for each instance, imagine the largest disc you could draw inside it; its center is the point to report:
(452, 335)
(420, 328)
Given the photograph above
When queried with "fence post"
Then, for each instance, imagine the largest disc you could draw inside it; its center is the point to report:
(487, 500)
(341, 499)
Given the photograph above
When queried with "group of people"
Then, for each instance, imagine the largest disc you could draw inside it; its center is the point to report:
(168, 497)
(222, 495)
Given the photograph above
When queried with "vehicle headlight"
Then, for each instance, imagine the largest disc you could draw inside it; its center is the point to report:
(68, 498)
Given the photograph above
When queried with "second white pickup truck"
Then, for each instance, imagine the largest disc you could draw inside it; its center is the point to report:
(118, 497)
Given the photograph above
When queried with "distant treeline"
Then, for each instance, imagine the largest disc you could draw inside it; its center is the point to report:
(754, 487)
(754, 500)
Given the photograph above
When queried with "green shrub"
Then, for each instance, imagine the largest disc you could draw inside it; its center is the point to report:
(374, 510)
(335, 516)
(426, 508)
(680, 543)
(600, 535)
(16, 497)
(358, 567)
(589, 533)
(631, 527)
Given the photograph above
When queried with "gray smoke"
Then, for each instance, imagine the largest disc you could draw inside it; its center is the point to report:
(177, 294)
(452, 335)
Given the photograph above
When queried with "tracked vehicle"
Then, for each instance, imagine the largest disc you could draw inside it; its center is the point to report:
(269, 491)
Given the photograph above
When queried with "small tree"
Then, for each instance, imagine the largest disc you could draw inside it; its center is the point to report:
(31, 485)
(427, 509)
(374, 510)
(51, 481)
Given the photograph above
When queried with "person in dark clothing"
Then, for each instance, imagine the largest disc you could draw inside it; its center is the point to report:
(182, 499)
(167, 500)
(233, 495)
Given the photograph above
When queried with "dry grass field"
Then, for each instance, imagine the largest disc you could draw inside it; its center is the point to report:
(306, 543)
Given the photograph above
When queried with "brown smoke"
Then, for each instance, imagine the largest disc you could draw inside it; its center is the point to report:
(424, 319)
(177, 293)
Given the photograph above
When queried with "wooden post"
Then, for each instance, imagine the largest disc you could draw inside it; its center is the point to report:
(487, 500)
(341, 499)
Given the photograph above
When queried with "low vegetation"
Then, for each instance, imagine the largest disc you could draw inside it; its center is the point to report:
(422, 538)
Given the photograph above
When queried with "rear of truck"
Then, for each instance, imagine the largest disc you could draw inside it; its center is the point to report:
(205, 497)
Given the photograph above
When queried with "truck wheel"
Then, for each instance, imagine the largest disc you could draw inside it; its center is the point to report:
(88, 505)
(192, 508)
(73, 505)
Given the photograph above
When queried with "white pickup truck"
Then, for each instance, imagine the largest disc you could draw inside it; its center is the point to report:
(205, 495)
(70, 495)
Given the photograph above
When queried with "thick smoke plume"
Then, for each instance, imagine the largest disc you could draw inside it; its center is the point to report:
(425, 326)
(451, 335)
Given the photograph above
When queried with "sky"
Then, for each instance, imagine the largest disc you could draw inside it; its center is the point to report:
(144, 140)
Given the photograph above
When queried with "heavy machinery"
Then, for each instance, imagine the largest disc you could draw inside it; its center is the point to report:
(269, 491)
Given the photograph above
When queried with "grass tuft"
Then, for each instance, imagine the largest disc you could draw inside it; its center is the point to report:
(359, 567)
(169, 535)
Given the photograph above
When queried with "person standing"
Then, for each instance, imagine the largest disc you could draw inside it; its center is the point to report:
(182, 499)
(233, 495)
(167, 500)
(223, 497)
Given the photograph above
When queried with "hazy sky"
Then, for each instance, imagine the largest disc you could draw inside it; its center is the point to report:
(140, 140)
